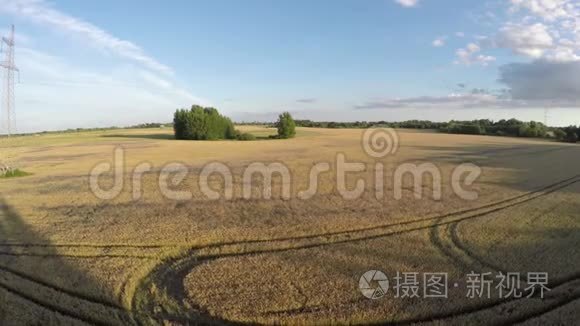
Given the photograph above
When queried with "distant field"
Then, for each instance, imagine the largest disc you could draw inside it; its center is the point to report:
(68, 257)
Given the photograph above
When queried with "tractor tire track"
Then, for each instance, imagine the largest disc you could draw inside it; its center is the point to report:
(186, 262)
(446, 316)
(51, 306)
(451, 246)
(556, 304)
(573, 179)
(460, 246)
(81, 297)
(347, 235)
(170, 274)
(552, 307)
(80, 245)
(71, 293)
(81, 256)
(121, 316)
(438, 237)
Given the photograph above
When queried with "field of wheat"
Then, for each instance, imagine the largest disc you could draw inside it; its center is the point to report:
(69, 257)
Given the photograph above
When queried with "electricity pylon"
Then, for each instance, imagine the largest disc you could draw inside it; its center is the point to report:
(8, 104)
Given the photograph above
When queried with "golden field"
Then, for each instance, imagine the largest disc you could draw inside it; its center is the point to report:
(68, 257)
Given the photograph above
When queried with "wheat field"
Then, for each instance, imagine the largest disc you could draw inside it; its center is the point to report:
(68, 257)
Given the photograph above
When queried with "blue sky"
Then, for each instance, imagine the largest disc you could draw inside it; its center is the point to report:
(102, 63)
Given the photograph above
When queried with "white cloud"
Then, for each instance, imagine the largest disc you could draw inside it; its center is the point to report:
(535, 29)
(40, 12)
(408, 3)
(19, 38)
(562, 54)
(439, 42)
(527, 40)
(469, 56)
(473, 99)
(55, 94)
(472, 47)
(155, 80)
(484, 60)
(143, 83)
(549, 10)
(549, 29)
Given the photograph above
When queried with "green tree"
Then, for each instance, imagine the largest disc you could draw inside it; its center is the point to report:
(559, 134)
(286, 126)
(571, 137)
(201, 123)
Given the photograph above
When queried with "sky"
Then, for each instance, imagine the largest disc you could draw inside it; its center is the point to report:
(104, 63)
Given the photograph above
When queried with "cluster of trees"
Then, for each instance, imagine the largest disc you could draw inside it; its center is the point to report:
(205, 123)
(199, 123)
(569, 134)
(512, 127)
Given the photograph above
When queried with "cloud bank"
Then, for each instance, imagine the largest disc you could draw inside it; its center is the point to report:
(557, 82)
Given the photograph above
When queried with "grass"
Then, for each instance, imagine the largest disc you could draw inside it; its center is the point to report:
(14, 173)
(67, 257)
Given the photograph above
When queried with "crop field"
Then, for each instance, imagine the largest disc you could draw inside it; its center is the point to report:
(68, 257)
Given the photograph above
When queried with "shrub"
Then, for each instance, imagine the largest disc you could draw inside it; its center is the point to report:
(245, 136)
(201, 123)
(571, 137)
(12, 173)
(286, 126)
(559, 134)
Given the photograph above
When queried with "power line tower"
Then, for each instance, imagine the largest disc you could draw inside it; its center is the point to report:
(8, 103)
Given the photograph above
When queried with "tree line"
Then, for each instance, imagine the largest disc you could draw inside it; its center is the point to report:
(206, 123)
(511, 127)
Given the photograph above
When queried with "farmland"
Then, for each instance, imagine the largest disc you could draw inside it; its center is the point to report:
(69, 257)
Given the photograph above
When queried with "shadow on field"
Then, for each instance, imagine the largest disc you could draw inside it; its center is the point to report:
(43, 288)
(157, 136)
(171, 137)
(530, 166)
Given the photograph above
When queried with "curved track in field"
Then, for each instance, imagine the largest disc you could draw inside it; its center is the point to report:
(182, 265)
(170, 274)
(448, 241)
(20, 278)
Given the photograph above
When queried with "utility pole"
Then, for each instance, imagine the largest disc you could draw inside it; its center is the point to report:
(8, 103)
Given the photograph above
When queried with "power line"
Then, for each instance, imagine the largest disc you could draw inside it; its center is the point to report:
(8, 102)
